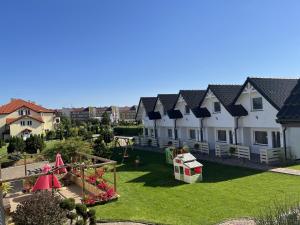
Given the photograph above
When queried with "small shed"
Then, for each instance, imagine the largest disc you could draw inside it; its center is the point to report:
(187, 168)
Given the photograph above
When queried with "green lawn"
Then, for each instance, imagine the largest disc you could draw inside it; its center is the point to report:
(295, 167)
(150, 193)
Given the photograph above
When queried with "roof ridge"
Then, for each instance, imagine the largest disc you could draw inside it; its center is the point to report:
(276, 78)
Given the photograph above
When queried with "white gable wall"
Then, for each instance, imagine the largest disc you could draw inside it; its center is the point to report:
(264, 120)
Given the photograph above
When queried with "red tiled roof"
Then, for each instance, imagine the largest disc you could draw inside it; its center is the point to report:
(19, 103)
(12, 120)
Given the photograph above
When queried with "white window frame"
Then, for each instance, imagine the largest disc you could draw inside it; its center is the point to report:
(252, 105)
(187, 110)
(254, 138)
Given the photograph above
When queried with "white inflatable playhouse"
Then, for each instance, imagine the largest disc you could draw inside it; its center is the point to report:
(187, 168)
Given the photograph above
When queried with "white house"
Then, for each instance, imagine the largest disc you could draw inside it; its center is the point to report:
(289, 118)
(164, 126)
(220, 127)
(189, 126)
(262, 98)
(146, 106)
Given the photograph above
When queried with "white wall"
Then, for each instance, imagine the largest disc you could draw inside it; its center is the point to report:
(293, 141)
(165, 121)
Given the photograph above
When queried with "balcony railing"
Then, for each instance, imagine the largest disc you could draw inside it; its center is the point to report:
(198, 146)
(146, 141)
(163, 142)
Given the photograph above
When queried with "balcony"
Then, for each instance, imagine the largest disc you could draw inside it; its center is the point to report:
(239, 151)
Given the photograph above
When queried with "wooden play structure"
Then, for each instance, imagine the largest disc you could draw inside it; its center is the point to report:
(187, 168)
(96, 177)
(125, 143)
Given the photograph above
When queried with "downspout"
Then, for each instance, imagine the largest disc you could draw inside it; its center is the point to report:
(284, 143)
(201, 129)
(235, 129)
(175, 126)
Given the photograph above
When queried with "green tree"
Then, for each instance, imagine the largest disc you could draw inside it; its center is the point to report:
(50, 135)
(16, 144)
(105, 121)
(40, 209)
(101, 149)
(68, 148)
(34, 143)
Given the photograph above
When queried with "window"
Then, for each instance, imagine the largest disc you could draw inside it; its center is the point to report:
(21, 112)
(217, 107)
(29, 123)
(193, 134)
(221, 135)
(187, 110)
(230, 137)
(276, 139)
(151, 132)
(22, 123)
(27, 112)
(176, 169)
(165, 112)
(257, 103)
(146, 132)
(261, 137)
(170, 133)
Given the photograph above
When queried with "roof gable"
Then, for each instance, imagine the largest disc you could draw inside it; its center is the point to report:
(12, 120)
(290, 111)
(274, 90)
(16, 104)
(148, 103)
(167, 100)
(192, 98)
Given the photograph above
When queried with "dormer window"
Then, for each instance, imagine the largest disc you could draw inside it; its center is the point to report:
(165, 112)
(217, 107)
(187, 110)
(257, 104)
(20, 112)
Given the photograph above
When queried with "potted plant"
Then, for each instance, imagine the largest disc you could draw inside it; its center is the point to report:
(196, 146)
(170, 143)
(232, 150)
(149, 142)
(6, 188)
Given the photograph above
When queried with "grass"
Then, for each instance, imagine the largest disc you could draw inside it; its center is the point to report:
(150, 193)
(295, 167)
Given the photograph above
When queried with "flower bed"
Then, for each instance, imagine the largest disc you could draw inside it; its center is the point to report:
(100, 191)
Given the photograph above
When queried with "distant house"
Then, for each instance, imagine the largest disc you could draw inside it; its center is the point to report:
(145, 107)
(127, 114)
(23, 118)
(289, 118)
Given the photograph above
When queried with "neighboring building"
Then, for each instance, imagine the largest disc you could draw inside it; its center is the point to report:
(164, 126)
(289, 118)
(23, 118)
(127, 114)
(146, 106)
(262, 98)
(220, 126)
(82, 114)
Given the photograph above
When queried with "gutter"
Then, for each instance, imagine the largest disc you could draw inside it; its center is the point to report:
(284, 143)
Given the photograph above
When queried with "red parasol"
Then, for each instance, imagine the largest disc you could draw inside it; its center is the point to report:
(59, 162)
(46, 182)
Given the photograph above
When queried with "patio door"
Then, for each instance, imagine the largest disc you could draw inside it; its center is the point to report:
(276, 139)
(176, 133)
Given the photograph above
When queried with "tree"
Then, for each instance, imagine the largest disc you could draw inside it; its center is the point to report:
(107, 135)
(16, 144)
(34, 143)
(105, 121)
(40, 209)
(101, 149)
(50, 135)
(68, 148)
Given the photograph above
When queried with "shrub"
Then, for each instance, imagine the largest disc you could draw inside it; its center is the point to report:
(107, 135)
(50, 135)
(71, 216)
(105, 121)
(128, 131)
(79, 222)
(68, 204)
(68, 148)
(16, 144)
(2, 143)
(34, 143)
(101, 149)
(40, 209)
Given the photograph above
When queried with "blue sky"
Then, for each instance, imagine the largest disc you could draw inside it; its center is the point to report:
(79, 53)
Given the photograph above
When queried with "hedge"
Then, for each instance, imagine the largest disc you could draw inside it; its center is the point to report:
(128, 131)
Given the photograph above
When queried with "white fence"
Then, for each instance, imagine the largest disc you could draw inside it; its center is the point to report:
(240, 151)
(199, 146)
(270, 155)
(163, 142)
(145, 141)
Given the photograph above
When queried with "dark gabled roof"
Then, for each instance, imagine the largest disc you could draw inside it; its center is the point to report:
(290, 111)
(167, 100)
(201, 112)
(226, 94)
(275, 90)
(174, 114)
(192, 97)
(154, 115)
(237, 110)
(148, 103)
